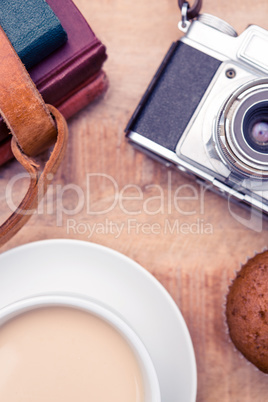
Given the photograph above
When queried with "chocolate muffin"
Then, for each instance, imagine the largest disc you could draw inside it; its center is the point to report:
(247, 311)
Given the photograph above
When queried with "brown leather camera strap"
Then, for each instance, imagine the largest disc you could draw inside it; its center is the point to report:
(193, 10)
(34, 126)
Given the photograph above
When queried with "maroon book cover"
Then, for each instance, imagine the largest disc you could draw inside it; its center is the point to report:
(76, 61)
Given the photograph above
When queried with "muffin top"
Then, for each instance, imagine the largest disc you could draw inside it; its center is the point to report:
(247, 311)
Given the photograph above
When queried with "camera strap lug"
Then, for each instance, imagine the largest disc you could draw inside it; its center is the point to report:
(184, 24)
(193, 11)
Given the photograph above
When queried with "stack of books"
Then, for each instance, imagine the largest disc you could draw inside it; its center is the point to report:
(64, 57)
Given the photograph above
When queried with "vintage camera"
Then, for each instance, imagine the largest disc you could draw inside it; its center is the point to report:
(206, 110)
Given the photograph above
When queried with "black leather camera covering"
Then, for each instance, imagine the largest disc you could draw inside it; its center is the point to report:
(173, 95)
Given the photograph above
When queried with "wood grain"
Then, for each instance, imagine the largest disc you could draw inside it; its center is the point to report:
(195, 265)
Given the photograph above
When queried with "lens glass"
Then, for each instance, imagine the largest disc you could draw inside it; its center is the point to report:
(259, 132)
(255, 127)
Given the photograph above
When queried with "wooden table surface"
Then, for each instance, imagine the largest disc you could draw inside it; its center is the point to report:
(192, 246)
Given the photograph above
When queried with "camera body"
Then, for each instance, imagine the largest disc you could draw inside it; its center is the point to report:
(206, 110)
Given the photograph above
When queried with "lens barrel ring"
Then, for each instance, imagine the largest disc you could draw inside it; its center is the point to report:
(232, 138)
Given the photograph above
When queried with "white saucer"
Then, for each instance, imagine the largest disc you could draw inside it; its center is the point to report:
(93, 271)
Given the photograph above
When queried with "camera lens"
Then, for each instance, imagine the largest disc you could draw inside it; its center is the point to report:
(241, 135)
(255, 127)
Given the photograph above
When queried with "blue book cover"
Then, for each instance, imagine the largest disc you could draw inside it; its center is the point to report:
(32, 28)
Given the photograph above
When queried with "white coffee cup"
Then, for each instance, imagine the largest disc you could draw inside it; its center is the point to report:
(150, 381)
